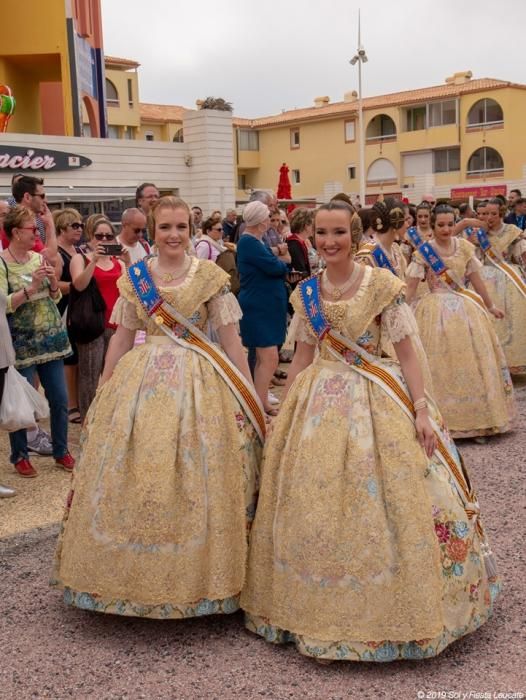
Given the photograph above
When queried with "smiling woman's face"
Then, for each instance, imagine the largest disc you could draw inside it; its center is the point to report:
(172, 231)
(333, 235)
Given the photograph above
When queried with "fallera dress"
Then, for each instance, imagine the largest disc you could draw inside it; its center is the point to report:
(510, 242)
(164, 491)
(361, 548)
(471, 380)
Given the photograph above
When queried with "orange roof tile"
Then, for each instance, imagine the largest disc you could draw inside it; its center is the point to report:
(407, 97)
(161, 113)
(121, 61)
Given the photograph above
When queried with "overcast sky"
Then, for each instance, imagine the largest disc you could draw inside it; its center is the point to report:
(268, 55)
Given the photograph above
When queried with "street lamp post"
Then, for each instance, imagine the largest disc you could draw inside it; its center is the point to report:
(359, 58)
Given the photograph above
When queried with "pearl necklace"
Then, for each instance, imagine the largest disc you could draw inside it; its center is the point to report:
(338, 292)
(168, 277)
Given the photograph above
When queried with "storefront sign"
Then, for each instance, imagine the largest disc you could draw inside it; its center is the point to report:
(484, 192)
(39, 159)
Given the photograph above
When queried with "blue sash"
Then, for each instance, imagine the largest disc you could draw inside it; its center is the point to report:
(310, 297)
(144, 287)
(382, 260)
(414, 236)
(482, 238)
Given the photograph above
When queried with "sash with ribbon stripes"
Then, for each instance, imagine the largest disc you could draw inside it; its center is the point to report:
(185, 334)
(495, 258)
(388, 376)
(379, 256)
(441, 270)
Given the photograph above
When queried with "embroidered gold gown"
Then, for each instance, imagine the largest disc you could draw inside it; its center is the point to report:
(510, 242)
(471, 380)
(361, 548)
(164, 491)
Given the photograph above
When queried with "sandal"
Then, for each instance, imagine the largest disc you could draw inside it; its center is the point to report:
(74, 416)
(277, 381)
(280, 374)
(271, 412)
(285, 359)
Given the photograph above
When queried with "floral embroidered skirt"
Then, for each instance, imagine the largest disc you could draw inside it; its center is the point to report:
(362, 548)
(512, 328)
(471, 381)
(163, 493)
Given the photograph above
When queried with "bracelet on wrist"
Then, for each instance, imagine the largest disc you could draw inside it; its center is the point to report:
(26, 293)
(420, 404)
(53, 291)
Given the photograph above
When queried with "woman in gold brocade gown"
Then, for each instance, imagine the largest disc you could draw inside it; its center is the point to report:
(509, 242)
(471, 381)
(165, 488)
(363, 547)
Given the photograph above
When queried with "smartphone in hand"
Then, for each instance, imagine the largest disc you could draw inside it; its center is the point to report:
(112, 249)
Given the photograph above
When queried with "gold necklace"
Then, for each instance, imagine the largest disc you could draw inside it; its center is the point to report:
(168, 277)
(338, 292)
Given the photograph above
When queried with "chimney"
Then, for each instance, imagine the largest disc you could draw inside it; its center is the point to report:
(321, 101)
(350, 96)
(459, 78)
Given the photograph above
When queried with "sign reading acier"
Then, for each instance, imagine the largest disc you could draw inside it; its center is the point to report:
(39, 159)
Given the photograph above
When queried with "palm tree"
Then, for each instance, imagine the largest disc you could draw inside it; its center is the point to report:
(217, 103)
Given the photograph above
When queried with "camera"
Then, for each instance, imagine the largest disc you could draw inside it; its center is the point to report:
(112, 249)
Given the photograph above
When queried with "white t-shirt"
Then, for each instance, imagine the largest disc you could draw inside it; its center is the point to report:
(137, 251)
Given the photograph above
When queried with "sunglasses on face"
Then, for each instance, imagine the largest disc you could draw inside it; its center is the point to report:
(77, 225)
(139, 230)
(104, 236)
(217, 228)
(39, 194)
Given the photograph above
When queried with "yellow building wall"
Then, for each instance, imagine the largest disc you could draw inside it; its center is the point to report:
(158, 130)
(124, 114)
(33, 32)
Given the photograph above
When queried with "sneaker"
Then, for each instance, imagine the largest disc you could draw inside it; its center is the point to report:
(26, 469)
(40, 444)
(6, 492)
(272, 399)
(66, 462)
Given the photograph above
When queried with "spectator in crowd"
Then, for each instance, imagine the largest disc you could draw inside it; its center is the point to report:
(267, 198)
(90, 223)
(39, 337)
(513, 196)
(146, 196)
(69, 227)
(365, 217)
(229, 224)
(272, 237)
(518, 216)
(11, 201)
(29, 192)
(4, 208)
(105, 269)
(7, 359)
(133, 234)
(262, 297)
(209, 246)
(430, 200)
(465, 211)
(298, 243)
(197, 221)
(284, 226)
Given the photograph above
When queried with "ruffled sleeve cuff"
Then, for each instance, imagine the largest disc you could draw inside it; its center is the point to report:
(518, 249)
(223, 309)
(416, 269)
(474, 265)
(125, 314)
(398, 321)
(300, 331)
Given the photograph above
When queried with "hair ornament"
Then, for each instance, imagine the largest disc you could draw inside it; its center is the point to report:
(379, 224)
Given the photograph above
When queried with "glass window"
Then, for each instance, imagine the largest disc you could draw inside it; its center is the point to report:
(446, 160)
(178, 136)
(112, 96)
(113, 132)
(351, 172)
(130, 92)
(485, 111)
(149, 136)
(294, 138)
(241, 181)
(441, 113)
(485, 160)
(350, 131)
(248, 140)
(296, 177)
(416, 118)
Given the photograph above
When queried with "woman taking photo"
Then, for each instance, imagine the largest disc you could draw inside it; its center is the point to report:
(262, 297)
(39, 338)
(364, 546)
(472, 385)
(105, 268)
(504, 272)
(69, 228)
(166, 486)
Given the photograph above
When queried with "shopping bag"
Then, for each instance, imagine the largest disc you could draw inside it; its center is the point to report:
(21, 404)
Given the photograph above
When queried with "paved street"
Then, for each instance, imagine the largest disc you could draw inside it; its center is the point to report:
(50, 651)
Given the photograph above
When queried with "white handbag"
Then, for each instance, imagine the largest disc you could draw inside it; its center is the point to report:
(21, 404)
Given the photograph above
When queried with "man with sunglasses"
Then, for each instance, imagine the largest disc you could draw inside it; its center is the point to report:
(28, 192)
(133, 234)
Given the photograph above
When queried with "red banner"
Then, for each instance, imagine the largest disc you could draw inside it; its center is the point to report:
(484, 192)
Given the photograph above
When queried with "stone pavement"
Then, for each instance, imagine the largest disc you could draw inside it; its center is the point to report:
(50, 651)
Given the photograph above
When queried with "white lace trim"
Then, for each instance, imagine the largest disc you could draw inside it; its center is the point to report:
(125, 314)
(416, 269)
(474, 265)
(518, 249)
(299, 331)
(398, 321)
(223, 309)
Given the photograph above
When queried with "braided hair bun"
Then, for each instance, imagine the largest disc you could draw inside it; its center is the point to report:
(387, 215)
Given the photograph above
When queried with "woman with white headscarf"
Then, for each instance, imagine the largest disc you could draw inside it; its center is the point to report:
(262, 297)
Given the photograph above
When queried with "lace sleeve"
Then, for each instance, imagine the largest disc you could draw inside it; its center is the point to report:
(125, 314)
(517, 250)
(398, 321)
(474, 265)
(223, 309)
(416, 269)
(299, 330)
